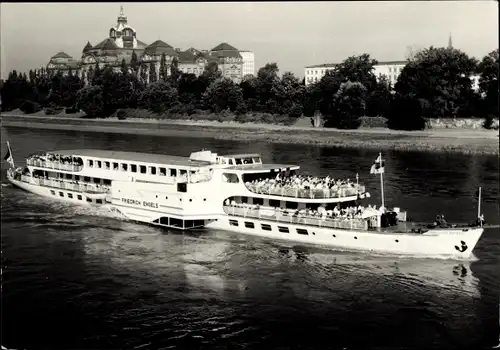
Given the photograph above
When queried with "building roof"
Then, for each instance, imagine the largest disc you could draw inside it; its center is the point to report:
(106, 44)
(61, 55)
(135, 157)
(87, 47)
(224, 46)
(225, 53)
(141, 44)
(159, 47)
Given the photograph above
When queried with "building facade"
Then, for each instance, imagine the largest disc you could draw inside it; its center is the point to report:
(248, 62)
(391, 69)
(122, 42)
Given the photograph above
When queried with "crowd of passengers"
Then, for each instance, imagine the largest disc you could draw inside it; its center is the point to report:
(58, 158)
(91, 186)
(302, 182)
(354, 212)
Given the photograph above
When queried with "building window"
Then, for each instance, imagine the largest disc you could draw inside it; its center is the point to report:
(390, 70)
(90, 163)
(70, 195)
(79, 197)
(52, 192)
(61, 194)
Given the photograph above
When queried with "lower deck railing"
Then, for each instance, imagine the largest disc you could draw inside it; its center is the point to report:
(60, 184)
(269, 214)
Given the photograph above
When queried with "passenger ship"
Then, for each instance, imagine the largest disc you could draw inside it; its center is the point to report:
(235, 193)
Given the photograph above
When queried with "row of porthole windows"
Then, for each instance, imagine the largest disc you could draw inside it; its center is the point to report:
(284, 229)
(267, 227)
(78, 196)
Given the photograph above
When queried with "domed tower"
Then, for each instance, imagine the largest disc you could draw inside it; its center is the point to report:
(123, 35)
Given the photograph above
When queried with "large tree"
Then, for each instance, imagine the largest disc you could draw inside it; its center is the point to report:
(441, 76)
(488, 83)
(349, 105)
(223, 94)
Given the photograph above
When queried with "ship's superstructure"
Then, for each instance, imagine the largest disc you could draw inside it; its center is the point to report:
(236, 192)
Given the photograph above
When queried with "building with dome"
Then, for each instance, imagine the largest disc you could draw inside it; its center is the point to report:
(122, 42)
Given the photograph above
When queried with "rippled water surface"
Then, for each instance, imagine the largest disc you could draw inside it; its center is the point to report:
(80, 278)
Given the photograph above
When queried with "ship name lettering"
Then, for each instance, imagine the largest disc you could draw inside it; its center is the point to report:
(150, 204)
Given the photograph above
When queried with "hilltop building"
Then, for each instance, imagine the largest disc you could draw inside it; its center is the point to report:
(122, 42)
(248, 62)
(391, 69)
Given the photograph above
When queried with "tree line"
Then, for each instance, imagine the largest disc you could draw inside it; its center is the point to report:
(435, 83)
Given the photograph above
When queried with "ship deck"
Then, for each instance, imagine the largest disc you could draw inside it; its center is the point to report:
(134, 157)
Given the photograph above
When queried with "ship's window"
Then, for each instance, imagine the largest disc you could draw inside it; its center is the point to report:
(163, 171)
(97, 180)
(247, 160)
(256, 160)
(266, 227)
(143, 169)
(230, 178)
(291, 205)
(70, 195)
(133, 168)
(244, 199)
(99, 164)
(107, 165)
(90, 163)
(152, 170)
(124, 167)
(86, 179)
(274, 203)
(283, 229)
(173, 172)
(107, 182)
(61, 175)
(89, 200)
(259, 201)
(249, 224)
(52, 192)
(69, 176)
(301, 231)
(233, 222)
(98, 201)
(61, 194)
(238, 161)
(230, 162)
(115, 166)
(77, 177)
(79, 196)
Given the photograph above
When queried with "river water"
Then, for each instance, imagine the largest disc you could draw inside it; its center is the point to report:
(77, 278)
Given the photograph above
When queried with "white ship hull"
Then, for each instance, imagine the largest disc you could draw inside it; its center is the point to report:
(454, 243)
(434, 243)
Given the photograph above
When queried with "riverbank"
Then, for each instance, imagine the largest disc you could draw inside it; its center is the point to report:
(466, 141)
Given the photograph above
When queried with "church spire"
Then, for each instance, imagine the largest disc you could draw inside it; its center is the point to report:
(450, 44)
(122, 18)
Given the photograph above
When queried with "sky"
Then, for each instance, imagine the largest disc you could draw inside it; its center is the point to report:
(292, 34)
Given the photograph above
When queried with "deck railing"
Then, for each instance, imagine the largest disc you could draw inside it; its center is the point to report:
(53, 165)
(278, 216)
(60, 184)
(295, 192)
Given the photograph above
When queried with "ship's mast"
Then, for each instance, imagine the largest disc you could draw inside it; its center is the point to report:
(382, 181)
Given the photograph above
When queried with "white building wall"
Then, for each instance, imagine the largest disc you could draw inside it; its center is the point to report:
(392, 70)
(248, 62)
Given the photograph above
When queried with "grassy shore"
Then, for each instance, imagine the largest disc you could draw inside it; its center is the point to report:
(465, 141)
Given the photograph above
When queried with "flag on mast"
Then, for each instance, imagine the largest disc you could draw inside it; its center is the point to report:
(8, 156)
(378, 166)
